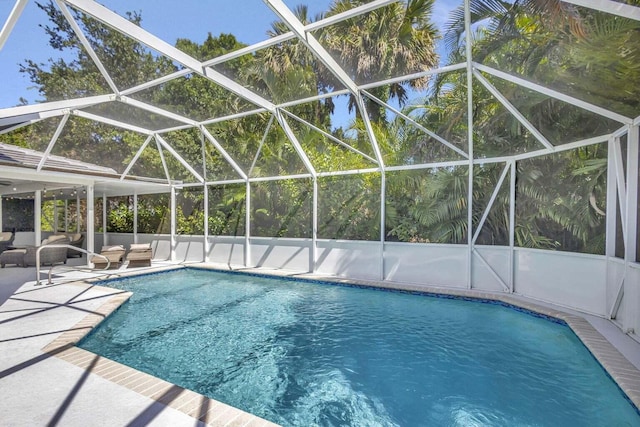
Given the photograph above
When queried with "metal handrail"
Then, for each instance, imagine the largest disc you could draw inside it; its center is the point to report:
(75, 248)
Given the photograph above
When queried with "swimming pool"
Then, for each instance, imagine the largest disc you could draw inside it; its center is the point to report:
(299, 353)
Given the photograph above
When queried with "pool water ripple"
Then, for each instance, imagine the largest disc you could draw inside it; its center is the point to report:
(303, 354)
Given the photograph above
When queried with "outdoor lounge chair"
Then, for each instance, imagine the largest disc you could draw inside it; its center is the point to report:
(139, 255)
(115, 254)
(6, 240)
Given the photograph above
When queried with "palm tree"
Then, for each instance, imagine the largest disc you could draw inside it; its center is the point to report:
(394, 40)
(560, 198)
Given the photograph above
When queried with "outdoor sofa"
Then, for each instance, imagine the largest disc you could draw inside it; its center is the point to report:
(27, 256)
(6, 240)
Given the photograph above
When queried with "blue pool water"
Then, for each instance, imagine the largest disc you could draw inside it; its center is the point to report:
(304, 354)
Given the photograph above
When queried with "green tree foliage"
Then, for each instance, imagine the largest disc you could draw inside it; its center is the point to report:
(154, 214)
(560, 198)
(120, 215)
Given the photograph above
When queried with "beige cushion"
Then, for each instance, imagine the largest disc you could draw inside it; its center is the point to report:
(112, 248)
(138, 247)
(4, 236)
(54, 238)
(75, 237)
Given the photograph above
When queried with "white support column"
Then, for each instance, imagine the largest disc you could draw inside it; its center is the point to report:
(105, 236)
(631, 287)
(468, 41)
(621, 183)
(206, 246)
(632, 194)
(618, 283)
(611, 218)
(37, 216)
(512, 226)
(78, 227)
(314, 226)
(135, 216)
(1, 201)
(66, 215)
(173, 224)
(91, 227)
(383, 214)
(611, 222)
(55, 215)
(247, 226)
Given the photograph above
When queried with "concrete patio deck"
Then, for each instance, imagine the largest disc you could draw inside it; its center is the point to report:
(44, 380)
(39, 386)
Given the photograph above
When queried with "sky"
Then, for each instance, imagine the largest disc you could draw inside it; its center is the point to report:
(248, 20)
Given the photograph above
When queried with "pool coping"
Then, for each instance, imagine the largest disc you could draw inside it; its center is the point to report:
(215, 413)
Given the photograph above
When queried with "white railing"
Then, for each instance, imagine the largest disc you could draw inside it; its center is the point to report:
(75, 248)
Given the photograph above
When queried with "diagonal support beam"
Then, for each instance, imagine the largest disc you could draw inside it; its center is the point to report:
(262, 141)
(178, 157)
(367, 124)
(331, 20)
(416, 124)
(18, 126)
(296, 144)
(223, 152)
(554, 94)
(11, 21)
(608, 6)
(494, 195)
(491, 270)
(309, 40)
(87, 46)
(236, 88)
(163, 160)
(128, 28)
(156, 110)
(513, 110)
(111, 122)
(331, 137)
(413, 76)
(617, 301)
(621, 184)
(15, 115)
(135, 158)
(54, 138)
